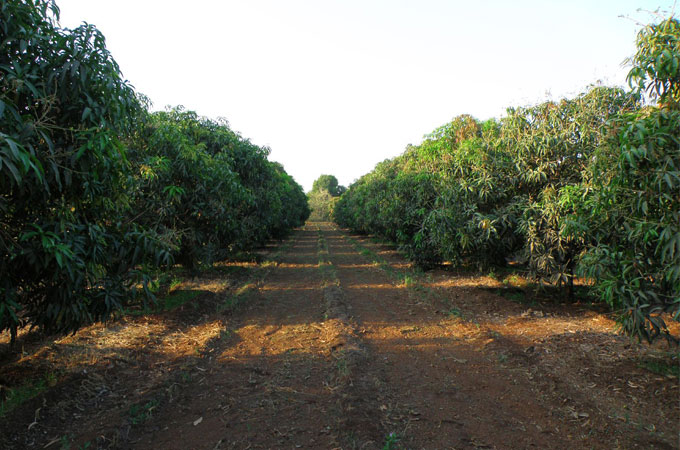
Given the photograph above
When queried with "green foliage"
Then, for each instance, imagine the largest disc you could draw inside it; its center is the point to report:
(587, 185)
(668, 366)
(140, 413)
(67, 256)
(635, 202)
(323, 197)
(636, 212)
(483, 192)
(209, 190)
(179, 298)
(96, 193)
(321, 205)
(391, 441)
(329, 184)
(656, 65)
(19, 395)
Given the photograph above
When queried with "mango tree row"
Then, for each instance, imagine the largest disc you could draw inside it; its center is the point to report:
(589, 185)
(96, 192)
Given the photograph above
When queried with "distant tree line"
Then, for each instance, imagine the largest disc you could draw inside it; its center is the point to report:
(588, 186)
(323, 196)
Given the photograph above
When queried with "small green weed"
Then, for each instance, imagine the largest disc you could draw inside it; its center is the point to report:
(171, 301)
(455, 312)
(661, 367)
(178, 298)
(408, 281)
(225, 335)
(141, 413)
(65, 442)
(517, 296)
(176, 281)
(514, 280)
(185, 376)
(21, 394)
(343, 369)
(241, 295)
(391, 441)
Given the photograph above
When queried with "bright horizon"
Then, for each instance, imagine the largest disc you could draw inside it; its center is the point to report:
(334, 87)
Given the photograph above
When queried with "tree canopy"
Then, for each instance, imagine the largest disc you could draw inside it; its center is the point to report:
(329, 184)
(585, 186)
(96, 193)
(323, 196)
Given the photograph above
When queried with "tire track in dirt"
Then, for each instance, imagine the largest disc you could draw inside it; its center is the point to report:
(445, 391)
(296, 373)
(275, 383)
(329, 349)
(591, 380)
(359, 390)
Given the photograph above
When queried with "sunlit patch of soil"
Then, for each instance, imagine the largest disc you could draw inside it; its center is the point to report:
(272, 340)
(371, 286)
(355, 266)
(296, 266)
(144, 350)
(287, 289)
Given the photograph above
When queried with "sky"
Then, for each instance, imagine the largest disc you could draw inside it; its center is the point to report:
(336, 86)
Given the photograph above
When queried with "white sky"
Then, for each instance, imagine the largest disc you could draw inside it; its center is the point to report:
(336, 86)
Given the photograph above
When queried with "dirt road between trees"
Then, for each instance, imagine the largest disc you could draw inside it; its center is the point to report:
(335, 341)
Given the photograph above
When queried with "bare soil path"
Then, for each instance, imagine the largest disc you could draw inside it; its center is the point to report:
(338, 343)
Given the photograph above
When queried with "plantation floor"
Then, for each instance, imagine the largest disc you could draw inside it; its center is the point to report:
(334, 341)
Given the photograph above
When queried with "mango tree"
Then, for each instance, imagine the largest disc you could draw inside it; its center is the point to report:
(67, 257)
(635, 206)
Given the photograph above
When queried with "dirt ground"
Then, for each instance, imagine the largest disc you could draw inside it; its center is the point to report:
(335, 341)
